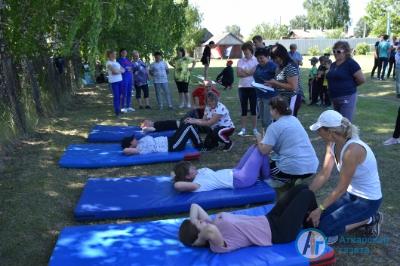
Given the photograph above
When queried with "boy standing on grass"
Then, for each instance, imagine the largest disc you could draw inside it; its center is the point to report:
(317, 91)
(312, 74)
(159, 71)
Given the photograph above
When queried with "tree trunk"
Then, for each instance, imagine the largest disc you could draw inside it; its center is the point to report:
(8, 79)
(35, 87)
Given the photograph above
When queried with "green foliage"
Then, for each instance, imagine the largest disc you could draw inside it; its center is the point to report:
(362, 48)
(314, 51)
(376, 17)
(327, 50)
(299, 22)
(327, 14)
(78, 30)
(359, 28)
(235, 30)
(270, 32)
(335, 34)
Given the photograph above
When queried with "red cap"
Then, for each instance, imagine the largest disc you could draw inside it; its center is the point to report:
(229, 62)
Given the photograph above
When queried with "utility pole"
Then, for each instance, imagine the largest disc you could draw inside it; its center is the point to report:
(365, 29)
(387, 22)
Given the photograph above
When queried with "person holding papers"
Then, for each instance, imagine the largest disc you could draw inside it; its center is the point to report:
(265, 70)
(287, 77)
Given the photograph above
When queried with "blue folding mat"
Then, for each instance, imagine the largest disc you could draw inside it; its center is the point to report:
(156, 243)
(110, 155)
(133, 197)
(100, 133)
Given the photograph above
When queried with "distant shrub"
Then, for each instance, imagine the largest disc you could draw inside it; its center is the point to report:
(335, 34)
(328, 50)
(362, 48)
(314, 51)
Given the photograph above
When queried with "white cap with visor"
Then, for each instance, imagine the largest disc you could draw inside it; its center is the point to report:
(329, 118)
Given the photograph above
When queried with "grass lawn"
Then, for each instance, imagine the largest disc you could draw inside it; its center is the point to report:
(37, 197)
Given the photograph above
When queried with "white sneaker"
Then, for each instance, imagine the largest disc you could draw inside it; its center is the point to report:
(182, 105)
(124, 110)
(189, 105)
(130, 109)
(242, 132)
(255, 132)
(391, 141)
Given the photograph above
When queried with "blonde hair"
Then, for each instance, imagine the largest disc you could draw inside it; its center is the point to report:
(346, 129)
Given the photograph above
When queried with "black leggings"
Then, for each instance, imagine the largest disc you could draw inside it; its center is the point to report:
(289, 214)
(392, 65)
(396, 133)
(183, 87)
(139, 89)
(246, 95)
(164, 125)
(216, 135)
(277, 174)
(376, 64)
(177, 142)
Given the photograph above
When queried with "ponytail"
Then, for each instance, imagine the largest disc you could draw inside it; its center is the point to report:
(346, 129)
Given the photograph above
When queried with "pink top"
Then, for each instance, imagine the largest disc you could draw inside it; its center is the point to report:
(239, 231)
(247, 64)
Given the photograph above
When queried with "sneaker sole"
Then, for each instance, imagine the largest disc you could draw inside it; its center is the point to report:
(230, 148)
(380, 222)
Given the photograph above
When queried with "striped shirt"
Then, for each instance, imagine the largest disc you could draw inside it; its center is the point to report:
(290, 70)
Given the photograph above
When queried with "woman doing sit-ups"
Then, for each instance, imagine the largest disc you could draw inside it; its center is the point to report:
(228, 232)
(251, 166)
(176, 142)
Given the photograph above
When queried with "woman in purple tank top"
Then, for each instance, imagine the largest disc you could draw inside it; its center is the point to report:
(228, 232)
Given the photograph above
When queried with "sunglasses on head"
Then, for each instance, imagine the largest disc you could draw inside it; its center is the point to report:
(337, 51)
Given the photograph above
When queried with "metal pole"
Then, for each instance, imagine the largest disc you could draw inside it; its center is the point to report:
(388, 23)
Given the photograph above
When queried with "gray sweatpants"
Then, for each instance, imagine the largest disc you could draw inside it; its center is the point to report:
(163, 88)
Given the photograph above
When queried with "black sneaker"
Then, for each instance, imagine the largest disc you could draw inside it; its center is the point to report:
(147, 107)
(374, 228)
(228, 146)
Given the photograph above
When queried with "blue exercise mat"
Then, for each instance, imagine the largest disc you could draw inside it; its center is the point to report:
(100, 133)
(132, 197)
(156, 243)
(110, 155)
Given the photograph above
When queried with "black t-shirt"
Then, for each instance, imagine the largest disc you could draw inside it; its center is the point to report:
(205, 59)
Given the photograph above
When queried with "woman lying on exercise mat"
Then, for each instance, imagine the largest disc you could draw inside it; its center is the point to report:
(228, 232)
(251, 166)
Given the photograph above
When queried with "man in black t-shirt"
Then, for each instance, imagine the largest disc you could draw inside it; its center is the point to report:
(376, 57)
(205, 59)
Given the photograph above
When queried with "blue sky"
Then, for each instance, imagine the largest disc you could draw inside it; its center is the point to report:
(219, 13)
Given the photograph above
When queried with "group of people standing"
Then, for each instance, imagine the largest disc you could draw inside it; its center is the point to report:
(352, 204)
(124, 74)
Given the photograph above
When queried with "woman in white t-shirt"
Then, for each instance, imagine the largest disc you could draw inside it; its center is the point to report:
(355, 200)
(251, 166)
(295, 156)
(115, 71)
(217, 119)
(247, 93)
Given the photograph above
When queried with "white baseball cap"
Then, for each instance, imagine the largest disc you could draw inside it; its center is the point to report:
(329, 118)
